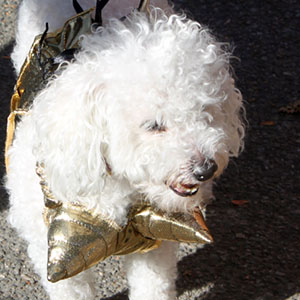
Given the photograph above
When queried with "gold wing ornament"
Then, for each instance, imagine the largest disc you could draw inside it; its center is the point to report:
(39, 66)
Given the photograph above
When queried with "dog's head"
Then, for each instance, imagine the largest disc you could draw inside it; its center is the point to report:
(149, 100)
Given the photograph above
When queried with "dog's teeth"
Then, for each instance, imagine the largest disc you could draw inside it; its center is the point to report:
(182, 189)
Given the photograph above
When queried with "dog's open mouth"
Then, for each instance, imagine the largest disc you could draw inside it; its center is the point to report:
(184, 190)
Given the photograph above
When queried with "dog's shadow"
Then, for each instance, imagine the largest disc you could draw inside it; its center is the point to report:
(119, 296)
(7, 80)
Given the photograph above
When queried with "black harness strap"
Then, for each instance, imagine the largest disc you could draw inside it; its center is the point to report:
(98, 14)
(77, 7)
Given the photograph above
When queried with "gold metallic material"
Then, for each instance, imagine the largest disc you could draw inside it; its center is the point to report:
(144, 6)
(78, 238)
(31, 78)
(155, 224)
(49, 199)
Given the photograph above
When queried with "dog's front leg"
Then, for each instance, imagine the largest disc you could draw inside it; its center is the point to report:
(151, 276)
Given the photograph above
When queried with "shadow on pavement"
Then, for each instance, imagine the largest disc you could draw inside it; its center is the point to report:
(7, 81)
(119, 296)
(256, 249)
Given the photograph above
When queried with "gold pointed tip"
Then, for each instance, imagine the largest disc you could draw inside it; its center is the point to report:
(56, 273)
(204, 237)
(210, 239)
(207, 237)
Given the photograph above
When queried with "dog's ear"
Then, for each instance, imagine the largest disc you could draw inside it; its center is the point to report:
(70, 135)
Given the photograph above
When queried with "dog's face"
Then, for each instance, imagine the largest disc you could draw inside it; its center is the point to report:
(167, 147)
(172, 113)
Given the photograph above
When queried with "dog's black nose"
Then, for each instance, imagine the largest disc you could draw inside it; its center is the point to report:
(205, 171)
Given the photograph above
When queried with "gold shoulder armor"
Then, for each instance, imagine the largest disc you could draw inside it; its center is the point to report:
(78, 238)
(31, 79)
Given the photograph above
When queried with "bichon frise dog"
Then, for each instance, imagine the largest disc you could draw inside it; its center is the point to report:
(145, 108)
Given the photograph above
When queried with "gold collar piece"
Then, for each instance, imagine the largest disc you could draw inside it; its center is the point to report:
(79, 238)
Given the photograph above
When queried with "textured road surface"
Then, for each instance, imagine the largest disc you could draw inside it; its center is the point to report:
(256, 251)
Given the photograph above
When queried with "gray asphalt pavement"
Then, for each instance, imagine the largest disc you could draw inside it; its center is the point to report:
(255, 219)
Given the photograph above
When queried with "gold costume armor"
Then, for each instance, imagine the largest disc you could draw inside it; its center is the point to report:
(32, 79)
(78, 238)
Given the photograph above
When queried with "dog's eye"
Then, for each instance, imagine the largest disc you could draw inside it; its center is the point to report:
(153, 126)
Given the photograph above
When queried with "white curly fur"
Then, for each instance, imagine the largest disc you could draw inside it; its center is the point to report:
(98, 111)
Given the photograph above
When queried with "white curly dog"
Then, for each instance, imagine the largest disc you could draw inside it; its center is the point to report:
(153, 99)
